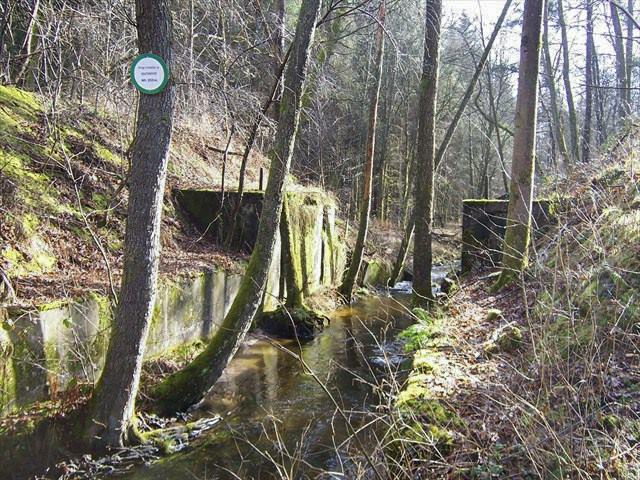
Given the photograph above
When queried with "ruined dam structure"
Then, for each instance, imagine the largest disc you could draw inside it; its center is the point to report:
(483, 227)
(44, 349)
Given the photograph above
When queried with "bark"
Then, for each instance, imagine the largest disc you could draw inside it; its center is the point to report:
(365, 208)
(621, 74)
(517, 233)
(188, 386)
(566, 76)
(425, 159)
(109, 419)
(278, 55)
(629, 53)
(558, 133)
(494, 114)
(586, 131)
(27, 46)
(3, 28)
(598, 97)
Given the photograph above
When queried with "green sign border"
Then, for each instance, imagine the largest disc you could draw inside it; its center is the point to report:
(139, 87)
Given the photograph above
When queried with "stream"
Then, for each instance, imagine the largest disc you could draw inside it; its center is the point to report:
(278, 421)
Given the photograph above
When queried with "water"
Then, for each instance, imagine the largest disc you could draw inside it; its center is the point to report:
(279, 422)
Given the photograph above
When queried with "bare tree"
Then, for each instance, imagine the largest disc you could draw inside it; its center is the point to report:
(566, 76)
(516, 242)
(425, 159)
(187, 386)
(365, 207)
(109, 418)
(588, 97)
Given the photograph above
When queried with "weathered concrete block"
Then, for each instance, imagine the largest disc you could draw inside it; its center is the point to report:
(483, 227)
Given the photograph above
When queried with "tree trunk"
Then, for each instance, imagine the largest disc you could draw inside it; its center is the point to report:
(516, 242)
(425, 159)
(566, 76)
(629, 54)
(621, 74)
(493, 103)
(356, 259)
(27, 46)
(558, 132)
(588, 97)
(3, 28)
(278, 55)
(598, 97)
(109, 419)
(187, 386)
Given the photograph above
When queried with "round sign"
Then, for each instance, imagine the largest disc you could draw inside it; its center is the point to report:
(149, 73)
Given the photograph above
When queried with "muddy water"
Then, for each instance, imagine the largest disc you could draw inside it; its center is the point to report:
(277, 414)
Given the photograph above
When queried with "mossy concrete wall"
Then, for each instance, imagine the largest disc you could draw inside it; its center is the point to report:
(320, 257)
(42, 350)
(377, 273)
(483, 228)
(212, 213)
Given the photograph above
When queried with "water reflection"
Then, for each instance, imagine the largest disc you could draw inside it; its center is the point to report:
(276, 410)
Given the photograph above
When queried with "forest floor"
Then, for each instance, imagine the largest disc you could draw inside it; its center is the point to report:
(63, 205)
(542, 379)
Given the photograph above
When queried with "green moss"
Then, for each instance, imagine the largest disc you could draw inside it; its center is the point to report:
(423, 361)
(419, 336)
(101, 200)
(504, 340)
(106, 155)
(493, 314)
(481, 202)
(22, 104)
(610, 422)
(7, 374)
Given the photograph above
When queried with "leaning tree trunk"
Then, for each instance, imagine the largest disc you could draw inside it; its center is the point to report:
(621, 65)
(188, 386)
(109, 418)
(425, 159)
(365, 209)
(566, 76)
(628, 53)
(558, 132)
(588, 79)
(516, 242)
(410, 225)
(26, 52)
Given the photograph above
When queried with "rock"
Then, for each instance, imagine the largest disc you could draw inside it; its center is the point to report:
(299, 322)
(448, 286)
(494, 314)
(506, 339)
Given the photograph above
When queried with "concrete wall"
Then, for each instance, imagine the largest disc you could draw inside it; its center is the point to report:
(483, 227)
(42, 349)
(45, 349)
